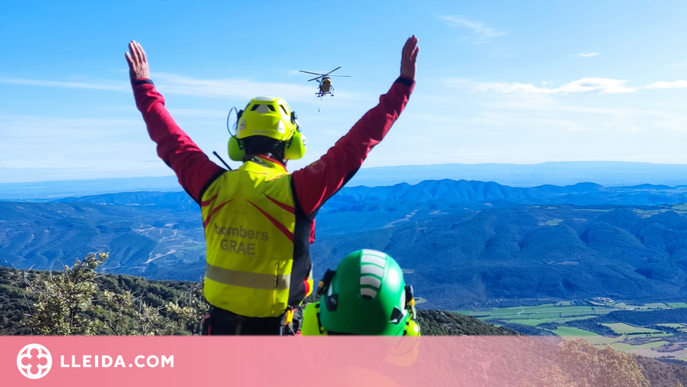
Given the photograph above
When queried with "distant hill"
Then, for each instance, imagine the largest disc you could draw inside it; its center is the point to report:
(476, 194)
(493, 194)
(50, 190)
(157, 242)
(177, 201)
(605, 173)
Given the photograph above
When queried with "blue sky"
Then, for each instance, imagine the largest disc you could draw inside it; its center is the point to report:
(498, 81)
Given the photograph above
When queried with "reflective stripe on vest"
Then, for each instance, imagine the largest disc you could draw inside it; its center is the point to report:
(249, 220)
(247, 279)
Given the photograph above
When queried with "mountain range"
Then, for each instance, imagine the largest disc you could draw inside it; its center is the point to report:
(16, 184)
(460, 243)
(606, 173)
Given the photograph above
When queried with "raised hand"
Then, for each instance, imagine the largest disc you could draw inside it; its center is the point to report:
(409, 57)
(138, 64)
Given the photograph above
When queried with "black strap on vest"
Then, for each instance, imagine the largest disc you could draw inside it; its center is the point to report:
(220, 322)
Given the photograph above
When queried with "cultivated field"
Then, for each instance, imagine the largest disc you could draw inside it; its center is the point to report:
(590, 320)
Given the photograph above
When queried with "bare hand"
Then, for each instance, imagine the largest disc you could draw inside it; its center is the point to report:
(409, 57)
(138, 64)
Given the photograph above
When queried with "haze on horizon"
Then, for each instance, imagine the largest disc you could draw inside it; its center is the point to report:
(497, 82)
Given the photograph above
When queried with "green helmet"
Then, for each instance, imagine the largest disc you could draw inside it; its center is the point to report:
(366, 295)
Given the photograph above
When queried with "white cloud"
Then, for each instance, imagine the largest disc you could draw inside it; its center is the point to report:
(52, 130)
(112, 86)
(546, 103)
(70, 142)
(212, 88)
(587, 55)
(680, 65)
(477, 27)
(586, 85)
(668, 85)
(230, 88)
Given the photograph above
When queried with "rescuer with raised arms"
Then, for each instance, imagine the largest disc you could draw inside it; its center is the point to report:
(259, 220)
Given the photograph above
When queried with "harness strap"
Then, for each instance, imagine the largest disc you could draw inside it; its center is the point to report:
(220, 321)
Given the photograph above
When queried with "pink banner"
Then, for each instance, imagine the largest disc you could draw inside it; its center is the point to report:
(273, 361)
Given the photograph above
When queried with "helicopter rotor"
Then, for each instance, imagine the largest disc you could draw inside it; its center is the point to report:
(320, 75)
(332, 71)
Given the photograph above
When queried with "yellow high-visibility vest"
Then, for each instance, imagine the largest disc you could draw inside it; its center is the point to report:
(249, 220)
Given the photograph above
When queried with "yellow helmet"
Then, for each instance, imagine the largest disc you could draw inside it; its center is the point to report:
(269, 117)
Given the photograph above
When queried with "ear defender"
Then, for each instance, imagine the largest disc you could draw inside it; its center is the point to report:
(295, 146)
(236, 151)
(235, 148)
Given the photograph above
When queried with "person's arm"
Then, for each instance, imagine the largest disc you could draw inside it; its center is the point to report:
(320, 180)
(193, 168)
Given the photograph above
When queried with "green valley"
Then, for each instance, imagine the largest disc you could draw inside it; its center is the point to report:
(656, 330)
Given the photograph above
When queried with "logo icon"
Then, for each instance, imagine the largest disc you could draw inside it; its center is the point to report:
(34, 361)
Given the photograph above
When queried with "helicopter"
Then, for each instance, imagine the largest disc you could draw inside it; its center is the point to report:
(325, 82)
